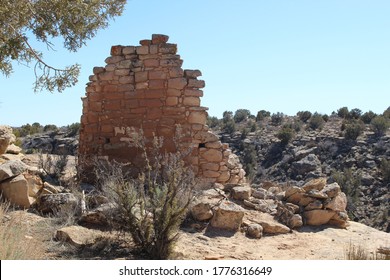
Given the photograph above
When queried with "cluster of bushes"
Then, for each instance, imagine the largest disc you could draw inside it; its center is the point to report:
(35, 128)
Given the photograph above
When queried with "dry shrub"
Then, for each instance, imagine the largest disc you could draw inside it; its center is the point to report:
(353, 252)
(15, 242)
(152, 205)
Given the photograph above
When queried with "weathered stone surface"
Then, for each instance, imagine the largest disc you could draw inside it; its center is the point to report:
(11, 168)
(340, 219)
(255, 231)
(305, 165)
(316, 204)
(212, 155)
(228, 216)
(293, 190)
(332, 190)
(21, 190)
(242, 192)
(5, 138)
(51, 203)
(77, 236)
(315, 184)
(13, 149)
(318, 217)
(337, 203)
(295, 221)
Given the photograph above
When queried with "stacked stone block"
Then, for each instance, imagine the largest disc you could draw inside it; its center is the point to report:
(144, 87)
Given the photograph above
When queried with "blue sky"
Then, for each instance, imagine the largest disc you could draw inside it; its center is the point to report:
(281, 56)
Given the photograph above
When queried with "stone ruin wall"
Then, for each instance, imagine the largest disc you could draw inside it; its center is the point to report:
(145, 87)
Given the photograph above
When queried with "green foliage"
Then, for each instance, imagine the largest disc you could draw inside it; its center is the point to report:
(249, 160)
(277, 118)
(262, 114)
(53, 165)
(386, 113)
(75, 22)
(355, 113)
(285, 134)
(73, 129)
(152, 205)
(380, 125)
(253, 126)
(28, 129)
(368, 116)
(229, 127)
(304, 116)
(353, 129)
(241, 115)
(50, 127)
(325, 117)
(343, 112)
(213, 122)
(316, 121)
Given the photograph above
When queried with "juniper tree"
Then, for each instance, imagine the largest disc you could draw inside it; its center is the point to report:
(24, 21)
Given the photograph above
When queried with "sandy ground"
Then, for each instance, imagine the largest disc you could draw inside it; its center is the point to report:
(309, 243)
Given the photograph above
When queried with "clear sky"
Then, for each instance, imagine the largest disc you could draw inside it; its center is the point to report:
(281, 56)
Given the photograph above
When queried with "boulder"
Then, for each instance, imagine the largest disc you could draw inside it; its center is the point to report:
(51, 203)
(6, 136)
(21, 190)
(242, 192)
(254, 231)
(318, 217)
(202, 208)
(306, 165)
(96, 218)
(261, 193)
(293, 190)
(11, 169)
(77, 236)
(228, 216)
(332, 190)
(296, 197)
(316, 204)
(295, 221)
(315, 184)
(338, 203)
(269, 224)
(340, 219)
(13, 149)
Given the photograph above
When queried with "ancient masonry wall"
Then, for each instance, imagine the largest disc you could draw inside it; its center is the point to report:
(145, 87)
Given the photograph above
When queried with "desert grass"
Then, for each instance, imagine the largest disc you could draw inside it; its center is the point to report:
(15, 241)
(358, 252)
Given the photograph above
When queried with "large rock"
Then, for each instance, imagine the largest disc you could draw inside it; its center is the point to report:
(51, 203)
(315, 184)
(77, 236)
(11, 168)
(318, 217)
(306, 165)
(269, 224)
(228, 216)
(255, 231)
(202, 208)
(13, 149)
(21, 190)
(338, 203)
(6, 136)
(332, 190)
(242, 192)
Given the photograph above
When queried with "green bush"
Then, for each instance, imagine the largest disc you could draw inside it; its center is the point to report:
(249, 161)
(262, 114)
(316, 121)
(73, 129)
(380, 125)
(153, 204)
(229, 127)
(277, 118)
(353, 129)
(241, 115)
(285, 135)
(355, 113)
(304, 115)
(213, 122)
(343, 112)
(368, 116)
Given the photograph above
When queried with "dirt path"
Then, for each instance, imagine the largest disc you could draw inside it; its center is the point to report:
(308, 243)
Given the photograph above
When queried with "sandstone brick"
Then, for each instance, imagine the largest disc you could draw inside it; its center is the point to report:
(114, 96)
(153, 49)
(122, 72)
(153, 113)
(173, 62)
(168, 48)
(176, 72)
(191, 101)
(106, 128)
(197, 117)
(112, 105)
(214, 145)
(141, 77)
(106, 76)
(125, 87)
(151, 63)
(210, 166)
(150, 103)
(109, 88)
(143, 85)
(116, 50)
(156, 84)
(173, 92)
(153, 93)
(110, 67)
(177, 83)
(142, 50)
(157, 75)
(159, 38)
(98, 70)
(124, 64)
(196, 83)
(212, 155)
(126, 80)
(95, 106)
(171, 101)
(193, 92)
(128, 50)
(192, 73)
(145, 42)
(211, 174)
